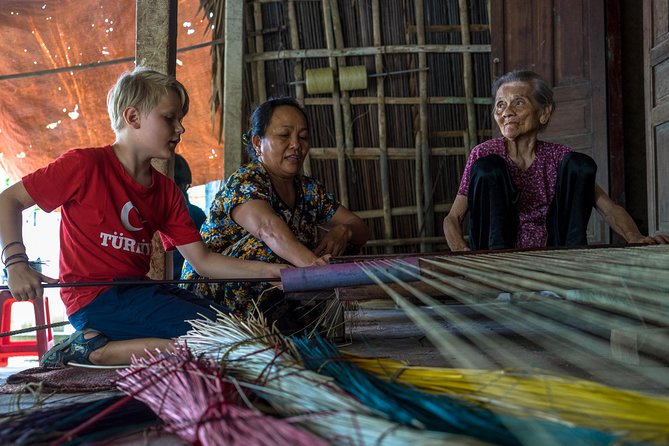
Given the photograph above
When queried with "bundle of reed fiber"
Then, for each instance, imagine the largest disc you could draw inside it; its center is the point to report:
(257, 355)
(438, 412)
(201, 405)
(537, 393)
(77, 423)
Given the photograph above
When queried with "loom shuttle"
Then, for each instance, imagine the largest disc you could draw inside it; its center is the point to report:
(340, 275)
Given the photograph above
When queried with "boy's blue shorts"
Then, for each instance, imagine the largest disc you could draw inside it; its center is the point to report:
(143, 311)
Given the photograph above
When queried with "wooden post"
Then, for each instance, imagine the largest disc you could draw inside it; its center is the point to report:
(297, 70)
(468, 73)
(156, 47)
(341, 62)
(383, 142)
(426, 221)
(233, 87)
(260, 47)
(336, 109)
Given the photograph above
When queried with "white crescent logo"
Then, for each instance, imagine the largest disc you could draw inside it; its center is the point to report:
(125, 217)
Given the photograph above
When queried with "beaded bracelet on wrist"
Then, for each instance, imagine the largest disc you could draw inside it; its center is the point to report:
(21, 255)
(4, 250)
(17, 261)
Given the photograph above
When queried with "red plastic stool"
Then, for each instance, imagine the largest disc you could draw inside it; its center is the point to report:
(43, 338)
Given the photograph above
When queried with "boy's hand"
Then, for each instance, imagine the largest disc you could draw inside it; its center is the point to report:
(25, 283)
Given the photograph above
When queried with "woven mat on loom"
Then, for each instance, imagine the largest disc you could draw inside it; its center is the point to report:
(65, 380)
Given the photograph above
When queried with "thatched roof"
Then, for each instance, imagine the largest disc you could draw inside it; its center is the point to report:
(59, 60)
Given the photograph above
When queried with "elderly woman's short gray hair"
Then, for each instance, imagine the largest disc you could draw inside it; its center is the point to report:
(543, 92)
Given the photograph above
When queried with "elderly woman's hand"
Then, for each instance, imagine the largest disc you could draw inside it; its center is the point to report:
(335, 241)
(657, 239)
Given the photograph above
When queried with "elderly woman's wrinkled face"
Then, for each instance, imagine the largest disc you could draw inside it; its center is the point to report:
(286, 142)
(516, 112)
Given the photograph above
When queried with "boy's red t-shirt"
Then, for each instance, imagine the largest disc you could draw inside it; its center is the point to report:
(108, 219)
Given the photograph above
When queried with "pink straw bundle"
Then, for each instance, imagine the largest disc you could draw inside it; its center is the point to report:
(200, 405)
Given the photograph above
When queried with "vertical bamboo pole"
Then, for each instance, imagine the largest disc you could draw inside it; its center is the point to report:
(297, 69)
(381, 116)
(156, 47)
(251, 49)
(233, 87)
(341, 62)
(336, 109)
(260, 48)
(426, 228)
(468, 73)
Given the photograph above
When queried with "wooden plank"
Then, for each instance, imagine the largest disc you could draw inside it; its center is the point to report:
(259, 70)
(656, 81)
(424, 214)
(393, 153)
(400, 210)
(233, 87)
(366, 51)
(156, 47)
(390, 100)
(468, 73)
(615, 107)
(383, 141)
(345, 100)
(342, 182)
(297, 70)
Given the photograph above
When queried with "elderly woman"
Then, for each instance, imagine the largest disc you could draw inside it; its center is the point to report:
(522, 192)
(269, 211)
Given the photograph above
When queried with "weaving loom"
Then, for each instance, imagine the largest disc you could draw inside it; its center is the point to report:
(599, 313)
(521, 328)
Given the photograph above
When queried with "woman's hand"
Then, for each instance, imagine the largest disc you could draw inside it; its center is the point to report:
(323, 260)
(657, 239)
(335, 241)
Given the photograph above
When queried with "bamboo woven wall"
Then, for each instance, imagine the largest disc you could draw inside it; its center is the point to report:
(393, 152)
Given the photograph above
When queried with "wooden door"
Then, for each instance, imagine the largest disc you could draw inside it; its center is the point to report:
(656, 69)
(563, 41)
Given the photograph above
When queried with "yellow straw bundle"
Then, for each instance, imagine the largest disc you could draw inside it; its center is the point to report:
(538, 394)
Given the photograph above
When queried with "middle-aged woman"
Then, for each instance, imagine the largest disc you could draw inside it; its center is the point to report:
(522, 192)
(269, 211)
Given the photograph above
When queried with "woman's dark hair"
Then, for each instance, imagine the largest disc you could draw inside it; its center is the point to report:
(543, 93)
(261, 117)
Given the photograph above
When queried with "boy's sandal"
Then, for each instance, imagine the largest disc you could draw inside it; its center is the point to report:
(76, 349)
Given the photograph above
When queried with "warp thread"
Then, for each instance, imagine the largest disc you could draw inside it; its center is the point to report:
(438, 412)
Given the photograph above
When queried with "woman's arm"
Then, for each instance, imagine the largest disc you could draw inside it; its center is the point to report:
(453, 224)
(24, 282)
(344, 228)
(621, 222)
(218, 266)
(258, 218)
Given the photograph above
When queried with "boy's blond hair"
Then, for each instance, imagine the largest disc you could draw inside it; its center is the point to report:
(141, 88)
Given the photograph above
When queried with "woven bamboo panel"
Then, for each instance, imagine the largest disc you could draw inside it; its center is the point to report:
(394, 151)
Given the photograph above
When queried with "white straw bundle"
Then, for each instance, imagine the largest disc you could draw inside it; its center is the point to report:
(256, 355)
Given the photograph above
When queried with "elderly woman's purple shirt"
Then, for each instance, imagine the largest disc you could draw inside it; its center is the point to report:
(536, 186)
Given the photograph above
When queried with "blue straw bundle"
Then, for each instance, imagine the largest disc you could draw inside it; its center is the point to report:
(439, 412)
